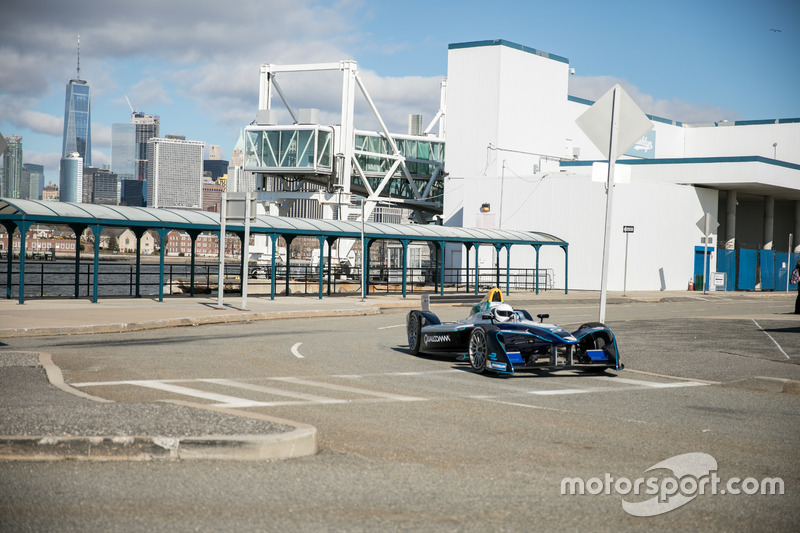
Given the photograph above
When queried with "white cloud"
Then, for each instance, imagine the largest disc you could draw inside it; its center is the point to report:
(593, 87)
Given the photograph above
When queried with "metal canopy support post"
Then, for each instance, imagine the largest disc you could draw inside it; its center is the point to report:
(78, 230)
(96, 230)
(10, 228)
(365, 256)
(497, 248)
(139, 234)
(288, 260)
(23, 230)
(477, 273)
(536, 247)
(240, 235)
(193, 234)
(404, 243)
(322, 240)
(468, 246)
(508, 268)
(162, 236)
(566, 268)
(441, 268)
(330, 241)
(273, 268)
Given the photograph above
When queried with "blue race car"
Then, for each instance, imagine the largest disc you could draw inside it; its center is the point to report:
(497, 338)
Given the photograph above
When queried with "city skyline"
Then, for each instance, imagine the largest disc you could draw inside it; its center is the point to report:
(686, 61)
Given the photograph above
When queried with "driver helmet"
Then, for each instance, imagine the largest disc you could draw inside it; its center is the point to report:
(503, 313)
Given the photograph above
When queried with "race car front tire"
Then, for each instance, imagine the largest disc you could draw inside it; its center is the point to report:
(478, 350)
(597, 344)
(413, 330)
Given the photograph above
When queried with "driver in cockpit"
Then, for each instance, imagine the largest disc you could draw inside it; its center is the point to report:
(503, 313)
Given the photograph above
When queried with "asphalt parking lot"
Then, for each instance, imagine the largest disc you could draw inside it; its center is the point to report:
(422, 443)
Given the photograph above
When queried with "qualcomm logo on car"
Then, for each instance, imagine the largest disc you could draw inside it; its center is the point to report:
(436, 338)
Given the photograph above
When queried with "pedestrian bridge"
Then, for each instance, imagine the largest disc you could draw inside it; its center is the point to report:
(306, 152)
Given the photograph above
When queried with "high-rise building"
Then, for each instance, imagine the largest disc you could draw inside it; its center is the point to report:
(105, 188)
(100, 186)
(212, 196)
(215, 168)
(12, 168)
(214, 152)
(133, 193)
(123, 151)
(32, 181)
(174, 173)
(147, 127)
(78, 118)
(70, 182)
(50, 193)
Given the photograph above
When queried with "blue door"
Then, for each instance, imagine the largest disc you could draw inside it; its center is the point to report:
(726, 262)
(698, 266)
(747, 269)
(767, 264)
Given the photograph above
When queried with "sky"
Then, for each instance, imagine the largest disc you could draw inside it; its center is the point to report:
(195, 63)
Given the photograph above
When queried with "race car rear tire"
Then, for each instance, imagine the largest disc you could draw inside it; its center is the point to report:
(413, 330)
(478, 350)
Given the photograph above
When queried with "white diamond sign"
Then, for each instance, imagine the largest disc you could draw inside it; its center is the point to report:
(595, 122)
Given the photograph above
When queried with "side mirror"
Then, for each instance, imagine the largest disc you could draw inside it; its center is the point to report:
(542, 317)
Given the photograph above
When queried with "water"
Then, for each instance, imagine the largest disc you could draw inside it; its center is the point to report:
(47, 279)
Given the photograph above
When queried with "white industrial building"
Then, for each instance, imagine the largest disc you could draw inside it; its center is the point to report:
(513, 143)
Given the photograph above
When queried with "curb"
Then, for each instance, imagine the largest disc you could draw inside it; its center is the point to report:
(299, 441)
(765, 384)
(179, 322)
(296, 443)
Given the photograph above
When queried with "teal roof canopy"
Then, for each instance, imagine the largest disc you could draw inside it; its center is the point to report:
(65, 213)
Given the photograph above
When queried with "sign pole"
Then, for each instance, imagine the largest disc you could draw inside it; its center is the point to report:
(789, 262)
(625, 279)
(705, 252)
(246, 249)
(609, 203)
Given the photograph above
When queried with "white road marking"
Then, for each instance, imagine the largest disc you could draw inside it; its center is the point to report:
(343, 388)
(295, 352)
(651, 384)
(182, 387)
(395, 326)
(770, 338)
(561, 391)
(272, 390)
(222, 399)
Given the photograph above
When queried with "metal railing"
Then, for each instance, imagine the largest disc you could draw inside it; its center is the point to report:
(57, 279)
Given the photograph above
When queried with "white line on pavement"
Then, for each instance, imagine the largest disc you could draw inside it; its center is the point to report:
(343, 388)
(770, 338)
(395, 326)
(651, 384)
(272, 390)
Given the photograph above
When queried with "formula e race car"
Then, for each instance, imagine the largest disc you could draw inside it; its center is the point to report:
(497, 338)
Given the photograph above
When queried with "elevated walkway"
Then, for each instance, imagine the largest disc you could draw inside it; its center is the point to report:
(305, 152)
